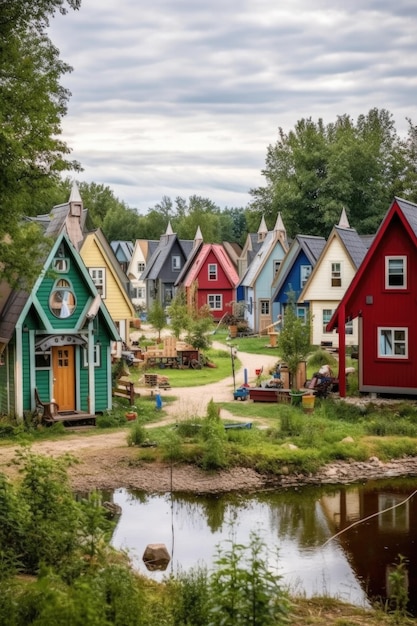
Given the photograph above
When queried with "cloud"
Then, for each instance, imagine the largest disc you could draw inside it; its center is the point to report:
(182, 98)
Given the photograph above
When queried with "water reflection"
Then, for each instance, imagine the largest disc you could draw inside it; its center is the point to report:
(353, 567)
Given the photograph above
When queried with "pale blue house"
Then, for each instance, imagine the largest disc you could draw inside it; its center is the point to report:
(254, 289)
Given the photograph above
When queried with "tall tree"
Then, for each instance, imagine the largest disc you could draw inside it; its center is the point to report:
(33, 102)
(315, 170)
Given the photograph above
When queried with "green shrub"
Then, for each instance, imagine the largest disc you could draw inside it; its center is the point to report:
(292, 422)
(321, 357)
(243, 588)
(137, 434)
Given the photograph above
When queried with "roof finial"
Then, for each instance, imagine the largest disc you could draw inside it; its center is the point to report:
(75, 193)
(169, 230)
(279, 224)
(344, 222)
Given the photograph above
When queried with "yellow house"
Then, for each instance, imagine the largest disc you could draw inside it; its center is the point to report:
(110, 280)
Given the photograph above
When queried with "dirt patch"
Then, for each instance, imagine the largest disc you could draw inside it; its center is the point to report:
(105, 461)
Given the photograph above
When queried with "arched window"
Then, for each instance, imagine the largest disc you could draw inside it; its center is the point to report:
(62, 299)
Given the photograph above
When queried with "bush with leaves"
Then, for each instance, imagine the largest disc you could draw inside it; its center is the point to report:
(244, 589)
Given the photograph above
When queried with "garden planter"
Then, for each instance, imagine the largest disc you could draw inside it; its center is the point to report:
(233, 331)
(296, 397)
(131, 416)
(308, 401)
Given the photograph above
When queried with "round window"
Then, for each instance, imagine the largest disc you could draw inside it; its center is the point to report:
(62, 299)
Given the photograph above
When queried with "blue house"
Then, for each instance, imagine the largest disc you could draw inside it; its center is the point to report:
(293, 273)
(254, 289)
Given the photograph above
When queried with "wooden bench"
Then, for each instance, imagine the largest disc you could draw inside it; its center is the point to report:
(48, 410)
(125, 389)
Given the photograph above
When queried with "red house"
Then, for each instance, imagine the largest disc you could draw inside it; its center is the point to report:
(383, 296)
(211, 280)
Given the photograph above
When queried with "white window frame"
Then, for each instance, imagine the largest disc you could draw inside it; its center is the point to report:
(97, 356)
(98, 275)
(61, 265)
(212, 271)
(215, 301)
(326, 319)
(141, 267)
(349, 328)
(399, 344)
(391, 272)
(176, 262)
(305, 271)
(336, 274)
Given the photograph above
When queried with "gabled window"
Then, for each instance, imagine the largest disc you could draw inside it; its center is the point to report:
(336, 275)
(395, 272)
(141, 267)
(327, 316)
(277, 265)
(305, 271)
(212, 271)
(61, 265)
(393, 343)
(176, 262)
(215, 301)
(98, 274)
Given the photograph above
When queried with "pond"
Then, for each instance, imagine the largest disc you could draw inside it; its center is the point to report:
(341, 542)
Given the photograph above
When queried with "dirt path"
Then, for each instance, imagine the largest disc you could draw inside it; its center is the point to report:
(105, 461)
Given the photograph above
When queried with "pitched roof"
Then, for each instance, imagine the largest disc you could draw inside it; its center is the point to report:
(162, 252)
(221, 256)
(260, 258)
(311, 245)
(407, 212)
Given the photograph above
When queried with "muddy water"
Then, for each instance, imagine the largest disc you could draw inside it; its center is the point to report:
(342, 542)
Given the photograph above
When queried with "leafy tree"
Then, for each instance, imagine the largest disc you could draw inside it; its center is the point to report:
(294, 339)
(178, 313)
(121, 223)
(32, 154)
(315, 170)
(157, 317)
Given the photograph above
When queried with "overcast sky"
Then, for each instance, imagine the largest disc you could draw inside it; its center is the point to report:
(182, 97)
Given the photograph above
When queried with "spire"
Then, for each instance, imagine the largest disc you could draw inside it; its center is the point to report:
(279, 224)
(262, 230)
(344, 222)
(75, 194)
(198, 237)
(169, 230)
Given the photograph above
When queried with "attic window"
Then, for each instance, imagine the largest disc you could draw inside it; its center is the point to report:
(395, 272)
(62, 299)
(336, 275)
(61, 265)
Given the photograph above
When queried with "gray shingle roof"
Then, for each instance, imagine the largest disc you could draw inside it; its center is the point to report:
(353, 243)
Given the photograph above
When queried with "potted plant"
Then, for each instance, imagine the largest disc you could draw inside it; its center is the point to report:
(294, 345)
(131, 414)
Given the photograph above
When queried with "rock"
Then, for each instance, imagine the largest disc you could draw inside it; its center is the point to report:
(347, 440)
(156, 557)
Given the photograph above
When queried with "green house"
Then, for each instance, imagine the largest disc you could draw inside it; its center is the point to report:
(56, 341)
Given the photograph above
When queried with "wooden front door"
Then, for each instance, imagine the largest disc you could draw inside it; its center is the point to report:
(63, 368)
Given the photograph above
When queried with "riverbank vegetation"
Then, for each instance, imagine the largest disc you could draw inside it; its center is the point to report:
(283, 439)
(57, 567)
